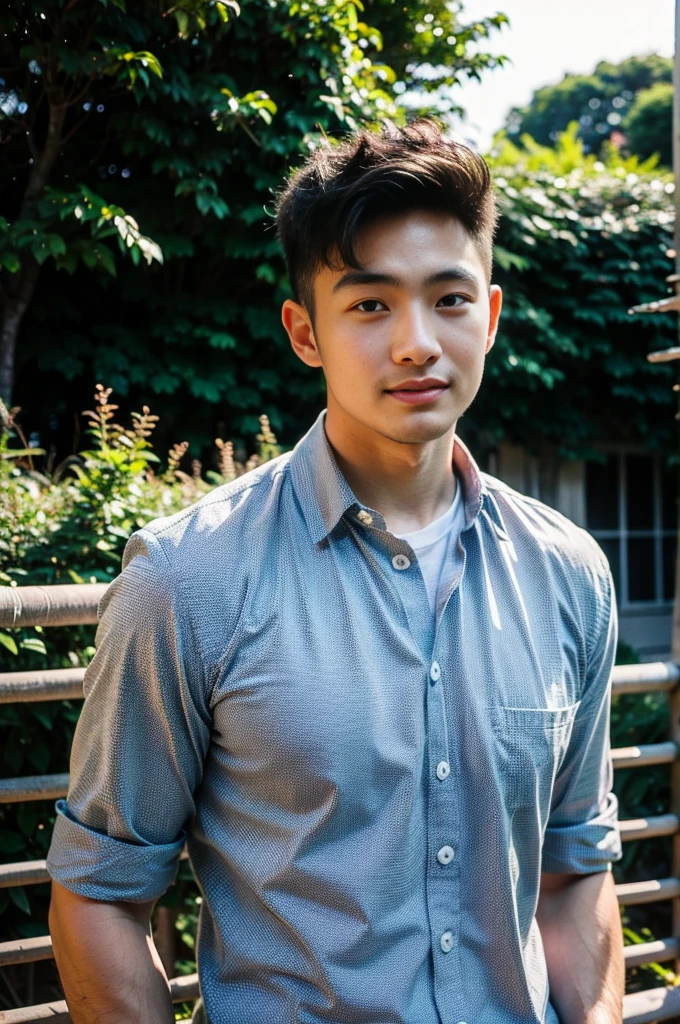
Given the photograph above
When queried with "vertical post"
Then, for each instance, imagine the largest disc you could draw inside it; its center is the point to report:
(164, 938)
(675, 694)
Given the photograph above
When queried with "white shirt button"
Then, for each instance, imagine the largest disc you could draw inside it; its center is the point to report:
(365, 517)
(443, 770)
(446, 942)
(401, 562)
(445, 855)
(435, 671)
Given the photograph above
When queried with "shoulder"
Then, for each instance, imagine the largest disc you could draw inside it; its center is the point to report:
(216, 526)
(196, 566)
(574, 556)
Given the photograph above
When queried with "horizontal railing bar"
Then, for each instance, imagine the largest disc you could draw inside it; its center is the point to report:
(632, 893)
(646, 828)
(654, 1004)
(69, 604)
(182, 989)
(46, 684)
(25, 951)
(29, 872)
(651, 952)
(651, 676)
(55, 1013)
(645, 754)
(33, 787)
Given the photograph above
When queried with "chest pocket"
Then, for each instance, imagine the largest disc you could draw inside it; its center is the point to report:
(529, 748)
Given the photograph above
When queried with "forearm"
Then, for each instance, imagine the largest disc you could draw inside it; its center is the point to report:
(580, 926)
(108, 964)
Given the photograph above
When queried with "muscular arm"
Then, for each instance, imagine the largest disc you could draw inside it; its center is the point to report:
(107, 961)
(578, 916)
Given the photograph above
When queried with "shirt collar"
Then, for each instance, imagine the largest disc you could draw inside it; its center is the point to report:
(325, 496)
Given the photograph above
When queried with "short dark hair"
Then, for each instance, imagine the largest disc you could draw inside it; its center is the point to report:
(343, 186)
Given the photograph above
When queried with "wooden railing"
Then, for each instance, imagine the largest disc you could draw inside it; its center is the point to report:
(77, 604)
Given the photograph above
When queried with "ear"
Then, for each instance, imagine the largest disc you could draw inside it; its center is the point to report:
(495, 304)
(295, 319)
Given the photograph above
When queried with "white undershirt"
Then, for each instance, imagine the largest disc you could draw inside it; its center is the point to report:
(436, 546)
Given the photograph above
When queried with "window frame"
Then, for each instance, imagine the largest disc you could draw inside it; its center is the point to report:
(623, 534)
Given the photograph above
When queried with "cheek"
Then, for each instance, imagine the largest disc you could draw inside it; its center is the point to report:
(353, 357)
(467, 339)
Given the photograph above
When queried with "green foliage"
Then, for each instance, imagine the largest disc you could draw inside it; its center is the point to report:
(649, 123)
(195, 154)
(581, 240)
(602, 103)
(54, 232)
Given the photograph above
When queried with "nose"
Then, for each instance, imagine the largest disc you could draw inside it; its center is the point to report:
(414, 339)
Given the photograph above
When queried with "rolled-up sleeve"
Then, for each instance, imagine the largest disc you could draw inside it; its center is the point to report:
(582, 835)
(140, 742)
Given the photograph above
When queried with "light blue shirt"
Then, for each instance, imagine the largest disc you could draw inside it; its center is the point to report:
(369, 792)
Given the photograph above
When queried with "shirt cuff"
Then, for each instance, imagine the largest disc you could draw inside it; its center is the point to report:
(585, 846)
(99, 867)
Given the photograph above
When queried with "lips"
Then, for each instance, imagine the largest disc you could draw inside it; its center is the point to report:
(421, 384)
(419, 392)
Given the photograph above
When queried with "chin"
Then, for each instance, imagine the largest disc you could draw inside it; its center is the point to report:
(418, 431)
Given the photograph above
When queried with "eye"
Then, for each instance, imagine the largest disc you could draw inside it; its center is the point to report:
(369, 302)
(448, 300)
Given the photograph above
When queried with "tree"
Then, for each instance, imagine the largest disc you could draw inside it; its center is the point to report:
(188, 116)
(600, 103)
(649, 123)
(58, 55)
(580, 241)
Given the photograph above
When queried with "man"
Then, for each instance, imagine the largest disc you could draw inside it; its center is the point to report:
(368, 683)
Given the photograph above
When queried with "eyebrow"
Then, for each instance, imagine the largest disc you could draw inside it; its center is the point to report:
(364, 277)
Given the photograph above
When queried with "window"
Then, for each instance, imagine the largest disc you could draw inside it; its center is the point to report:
(631, 510)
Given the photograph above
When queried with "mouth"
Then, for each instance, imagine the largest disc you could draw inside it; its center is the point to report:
(419, 392)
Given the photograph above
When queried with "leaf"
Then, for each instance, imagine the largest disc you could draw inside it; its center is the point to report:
(39, 756)
(11, 262)
(9, 642)
(18, 896)
(182, 20)
(11, 842)
(106, 260)
(32, 643)
(221, 340)
(43, 716)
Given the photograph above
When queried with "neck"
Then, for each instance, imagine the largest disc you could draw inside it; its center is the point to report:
(409, 484)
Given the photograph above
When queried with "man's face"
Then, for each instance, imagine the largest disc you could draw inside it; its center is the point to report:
(402, 342)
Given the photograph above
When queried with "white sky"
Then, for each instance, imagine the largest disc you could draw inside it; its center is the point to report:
(547, 38)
